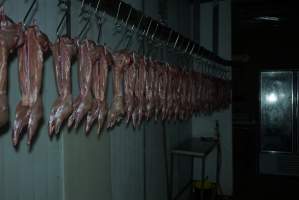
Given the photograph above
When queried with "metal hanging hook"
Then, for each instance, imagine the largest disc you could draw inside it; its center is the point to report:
(176, 41)
(200, 61)
(209, 67)
(187, 47)
(148, 28)
(117, 14)
(139, 24)
(100, 19)
(217, 70)
(207, 70)
(196, 54)
(117, 25)
(83, 11)
(225, 75)
(220, 74)
(169, 37)
(143, 33)
(129, 15)
(152, 38)
(63, 4)
(130, 31)
(60, 24)
(199, 65)
(65, 7)
(127, 32)
(85, 28)
(100, 33)
(192, 49)
(100, 23)
(222, 70)
(204, 64)
(82, 4)
(155, 32)
(97, 7)
(29, 11)
(213, 68)
(134, 31)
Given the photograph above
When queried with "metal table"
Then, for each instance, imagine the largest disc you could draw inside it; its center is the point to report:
(195, 148)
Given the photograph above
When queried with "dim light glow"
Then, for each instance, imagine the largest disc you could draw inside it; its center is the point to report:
(271, 98)
(268, 18)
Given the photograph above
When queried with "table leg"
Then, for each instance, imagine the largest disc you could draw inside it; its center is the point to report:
(203, 163)
(192, 166)
(218, 169)
(171, 176)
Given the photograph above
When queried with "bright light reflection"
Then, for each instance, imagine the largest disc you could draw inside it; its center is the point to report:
(268, 18)
(271, 98)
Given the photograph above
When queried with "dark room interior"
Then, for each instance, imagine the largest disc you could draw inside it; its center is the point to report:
(149, 99)
(264, 40)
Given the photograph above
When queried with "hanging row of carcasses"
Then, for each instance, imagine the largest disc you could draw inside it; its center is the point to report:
(142, 88)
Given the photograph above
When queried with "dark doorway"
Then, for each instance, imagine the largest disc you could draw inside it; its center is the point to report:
(264, 36)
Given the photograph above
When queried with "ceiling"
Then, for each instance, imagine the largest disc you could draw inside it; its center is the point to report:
(276, 14)
(265, 28)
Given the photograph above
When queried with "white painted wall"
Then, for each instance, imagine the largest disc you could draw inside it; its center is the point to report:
(204, 125)
(37, 174)
(86, 160)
